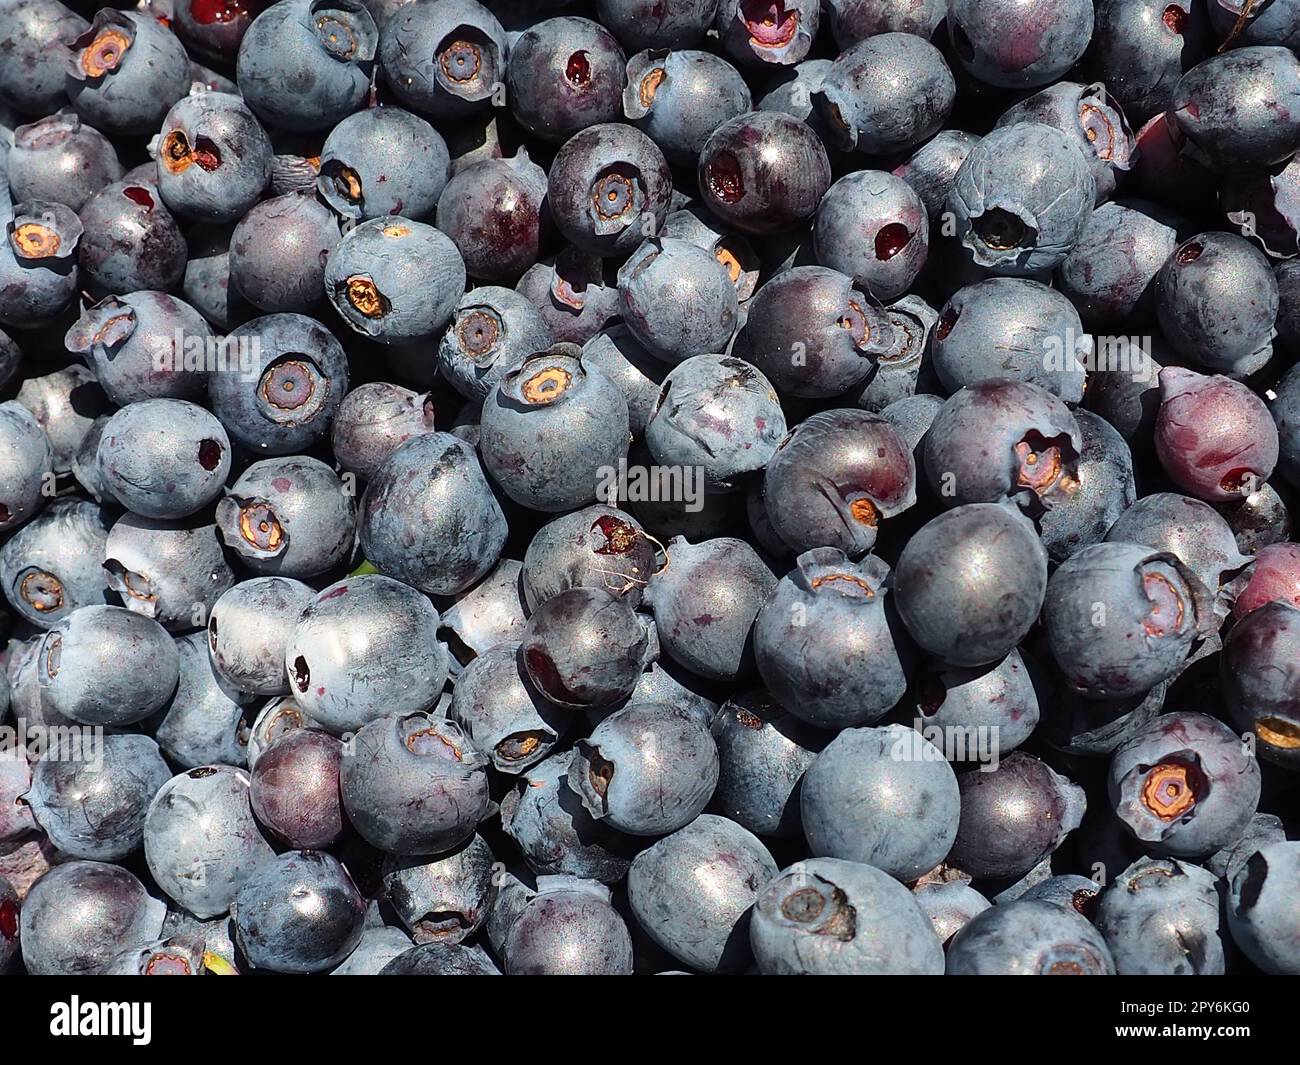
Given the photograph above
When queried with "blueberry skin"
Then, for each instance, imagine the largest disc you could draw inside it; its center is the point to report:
(970, 583)
(720, 415)
(647, 769)
(1262, 205)
(203, 723)
(873, 227)
(278, 717)
(677, 300)
(164, 458)
(625, 361)
(305, 65)
(1141, 49)
(1029, 445)
(365, 647)
(501, 712)
(60, 160)
(81, 674)
(553, 832)
(1258, 679)
(383, 161)
(564, 75)
(763, 751)
(1161, 917)
(693, 890)
(548, 429)
(491, 612)
(855, 20)
(446, 899)
(1110, 275)
(813, 332)
(568, 928)
(295, 789)
(904, 365)
(373, 421)
(1106, 489)
(1270, 24)
(298, 913)
(441, 959)
(291, 516)
(950, 906)
(492, 331)
(1127, 399)
(285, 377)
(434, 475)
(1217, 301)
(575, 296)
(214, 158)
(80, 915)
(1239, 107)
(378, 947)
(931, 168)
(171, 571)
(791, 91)
(10, 357)
(443, 58)
(414, 784)
(864, 104)
(1213, 435)
(695, 225)
(33, 67)
(1070, 890)
(596, 547)
(1029, 938)
(94, 807)
(249, 628)
(125, 72)
(205, 282)
(1011, 327)
(51, 567)
(1001, 698)
(495, 212)
(65, 404)
(1274, 576)
(755, 36)
(394, 280)
(680, 97)
(882, 796)
(131, 242)
(705, 601)
(1286, 416)
(1019, 45)
(201, 840)
(278, 252)
(1021, 198)
(609, 187)
(129, 342)
(1185, 785)
(1260, 915)
(38, 264)
(827, 917)
(912, 416)
(642, 24)
(763, 172)
(827, 644)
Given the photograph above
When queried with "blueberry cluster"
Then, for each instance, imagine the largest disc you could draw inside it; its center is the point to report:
(614, 486)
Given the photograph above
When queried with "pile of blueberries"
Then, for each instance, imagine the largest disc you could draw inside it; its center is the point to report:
(649, 486)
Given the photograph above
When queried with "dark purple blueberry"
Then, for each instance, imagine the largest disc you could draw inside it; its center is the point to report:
(565, 74)
(446, 899)
(855, 20)
(1259, 679)
(373, 421)
(1001, 700)
(1265, 206)
(1019, 44)
(1140, 48)
(295, 789)
(1275, 577)
(130, 241)
(494, 212)
(642, 24)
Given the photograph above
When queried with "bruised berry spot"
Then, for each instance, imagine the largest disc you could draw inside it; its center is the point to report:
(209, 454)
(578, 69)
(725, 179)
(206, 154)
(620, 537)
(1175, 18)
(891, 239)
(301, 673)
(139, 196)
(208, 12)
(9, 920)
(1189, 253)
(946, 321)
(749, 720)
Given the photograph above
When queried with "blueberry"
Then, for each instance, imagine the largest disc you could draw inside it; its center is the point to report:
(1141, 49)
(181, 955)
(50, 567)
(1242, 24)
(1161, 917)
(201, 840)
(277, 718)
(609, 188)
(826, 917)
(65, 404)
(279, 250)
(16, 819)
(1106, 488)
(496, 213)
(394, 280)
(126, 71)
(365, 647)
(1213, 436)
(1020, 44)
(496, 705)
(492, 331)
(1285, 408)
(854, 20)
(248, 629)
(692, 892)
(695, 225)
(444, 899)
(1260, 915)
(214, 159)
(203, 724)
(295, 789)
(1022, 198)
(1029, 938)
(791, 91)
(1261, 204)
(950, 905)
(772, 32)
(206, 283)
(441, 959)
(38, 265)
(575, 296)
(1128, 399)
(763, 172)
(131, 241)
(171, 571)
(642, 24)
(284, 378)
(414, 784)
(214, 28)
(1186, 785)
(647, 769)
(1257, 683)
(677, 300)
(1275, 577)
(443, 58)
(873, 227)
(904, 365)
(32, 70)
(298, 913)
(373, 421)
(568, 928)
(1238, 106)
(432, 485)
(492, 612)
(306, 64)
(931, 168)
(59, 159)
(1002, 699)
(564, 75)
(80, 915)
(1074, 892)
(377, 947)
(680, 97)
